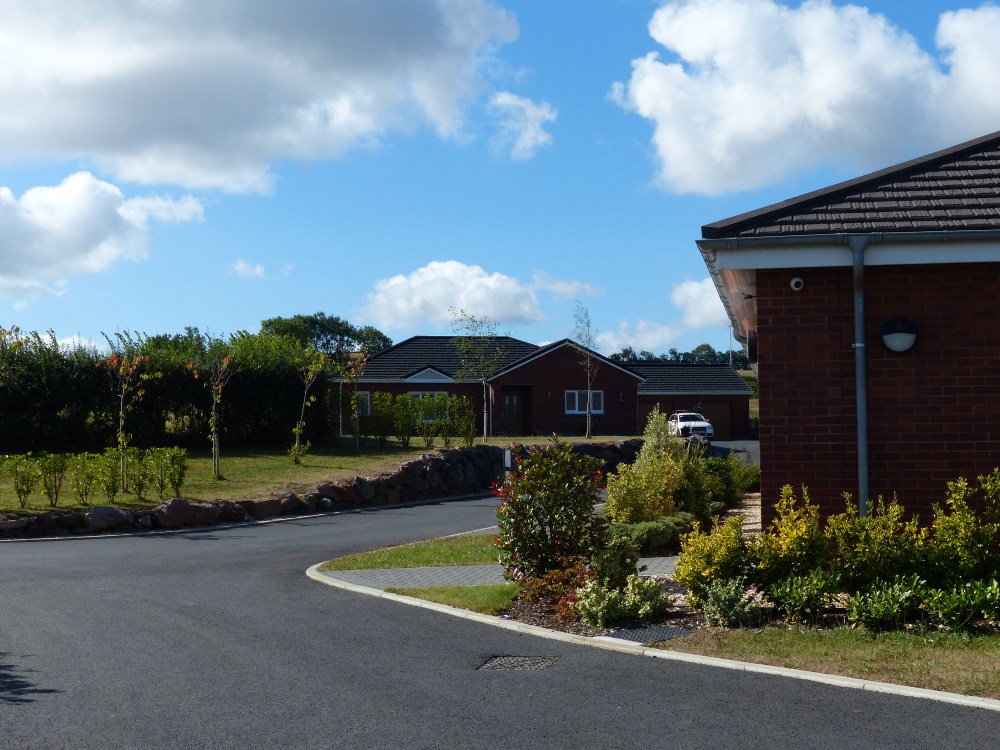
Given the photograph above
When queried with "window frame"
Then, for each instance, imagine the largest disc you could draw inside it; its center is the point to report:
(580, 397)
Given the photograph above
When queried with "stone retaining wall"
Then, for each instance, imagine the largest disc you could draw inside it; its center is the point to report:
(444, 473)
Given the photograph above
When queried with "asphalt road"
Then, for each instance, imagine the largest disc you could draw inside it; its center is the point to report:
(218, 640)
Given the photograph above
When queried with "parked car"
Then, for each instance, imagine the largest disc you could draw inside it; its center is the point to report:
(688, 423)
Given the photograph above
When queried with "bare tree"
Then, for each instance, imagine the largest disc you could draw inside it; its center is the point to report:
(585, 334)
(479, 351)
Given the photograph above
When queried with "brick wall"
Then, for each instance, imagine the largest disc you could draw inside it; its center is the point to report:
(934, 412)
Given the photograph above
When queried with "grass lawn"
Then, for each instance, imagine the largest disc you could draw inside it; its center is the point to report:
(256, 474)
(467, 549)
(940, 661)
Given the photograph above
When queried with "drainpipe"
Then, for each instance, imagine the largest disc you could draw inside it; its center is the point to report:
(858, 243)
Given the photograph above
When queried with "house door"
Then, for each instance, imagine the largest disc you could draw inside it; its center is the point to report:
(512, 411)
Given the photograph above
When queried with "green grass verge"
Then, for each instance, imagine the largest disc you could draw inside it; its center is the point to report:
(468, 549)
(487, 599)
(969, 665)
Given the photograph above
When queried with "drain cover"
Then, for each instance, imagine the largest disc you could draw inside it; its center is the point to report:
(519, 663)
(650, 634)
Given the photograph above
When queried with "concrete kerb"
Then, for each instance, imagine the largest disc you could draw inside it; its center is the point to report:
(626, 647)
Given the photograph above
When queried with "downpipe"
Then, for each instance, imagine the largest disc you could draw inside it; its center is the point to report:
(858, 243)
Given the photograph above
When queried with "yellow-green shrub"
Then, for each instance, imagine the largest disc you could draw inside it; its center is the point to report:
(793, 544)
(645, 490)
(706, 557)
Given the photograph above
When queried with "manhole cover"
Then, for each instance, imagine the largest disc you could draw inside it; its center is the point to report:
(519, 663)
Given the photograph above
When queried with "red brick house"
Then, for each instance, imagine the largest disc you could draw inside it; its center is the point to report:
(820, 287)
(716, 391)
(538, 390)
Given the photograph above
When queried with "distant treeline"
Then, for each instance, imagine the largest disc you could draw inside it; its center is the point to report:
(59, 398)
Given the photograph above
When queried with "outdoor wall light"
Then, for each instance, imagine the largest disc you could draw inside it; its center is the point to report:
(899, 334)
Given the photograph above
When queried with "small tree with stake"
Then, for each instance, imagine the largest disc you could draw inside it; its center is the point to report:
(585, 335)
(479, 352)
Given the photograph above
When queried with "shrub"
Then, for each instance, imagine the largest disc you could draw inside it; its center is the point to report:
(53, 470)
(24, 475)
(427, 423)
(176, 469)
(109, 476)
(659, 536)
(708, 558)
(443, 418)
(794, 543)
(887, 606)
(615, 562)
(646, 489)
(638, 599)
(701, 491)
(559, 586)
(139, 471)
(730, 603)
(989, 601)
(381, 416)
(880, 546)
(803, 598)
(954, 609)
(547, 510)
(84, 476)
(463, 419)
(405, 414)
(961, 546)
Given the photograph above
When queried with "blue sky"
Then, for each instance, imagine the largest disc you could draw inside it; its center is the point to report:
(163, 165)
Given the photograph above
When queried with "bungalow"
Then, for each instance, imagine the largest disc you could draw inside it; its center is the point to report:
(870, 309)
(538, 390)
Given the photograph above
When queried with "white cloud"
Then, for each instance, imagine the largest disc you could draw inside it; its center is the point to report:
(521, 127)
(428, 294)
(83, 225)
(248, 270)
(563, 289)
(207, 94)
(752, 91)
(699, 305)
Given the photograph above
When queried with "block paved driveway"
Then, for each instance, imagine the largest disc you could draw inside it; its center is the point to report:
(217, 639)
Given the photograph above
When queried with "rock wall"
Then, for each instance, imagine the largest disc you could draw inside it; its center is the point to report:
(445, 473)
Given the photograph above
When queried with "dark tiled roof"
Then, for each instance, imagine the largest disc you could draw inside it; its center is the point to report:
(542, 351)
(954, 189)
(438, 352)
(670, 378)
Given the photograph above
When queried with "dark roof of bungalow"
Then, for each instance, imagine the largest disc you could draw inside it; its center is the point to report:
(436, 353)
(668, 378)
(957, 188)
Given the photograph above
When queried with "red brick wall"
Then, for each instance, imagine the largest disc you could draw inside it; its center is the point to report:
(934, 412)
(549, 377)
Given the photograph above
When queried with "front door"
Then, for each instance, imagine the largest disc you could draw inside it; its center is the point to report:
(512, 411)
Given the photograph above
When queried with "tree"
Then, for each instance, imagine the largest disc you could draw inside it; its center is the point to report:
(215, 369)
(479, 352)
(351, 372)
(308, 364)
(129, 371)
(585, 335)
(331, 335)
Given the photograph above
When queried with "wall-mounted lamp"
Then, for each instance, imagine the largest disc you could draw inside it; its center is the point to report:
(621, 396)
(899, 334)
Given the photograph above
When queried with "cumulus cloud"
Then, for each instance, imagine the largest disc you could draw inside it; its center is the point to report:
(749, 92)
(207, 94)
(83, 225)
(248, 270)
(563, 289)
(428, 294)
(521, 125)
(699, 305)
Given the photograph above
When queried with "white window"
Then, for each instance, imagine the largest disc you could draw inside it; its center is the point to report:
(576, 402)
(364, 404)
